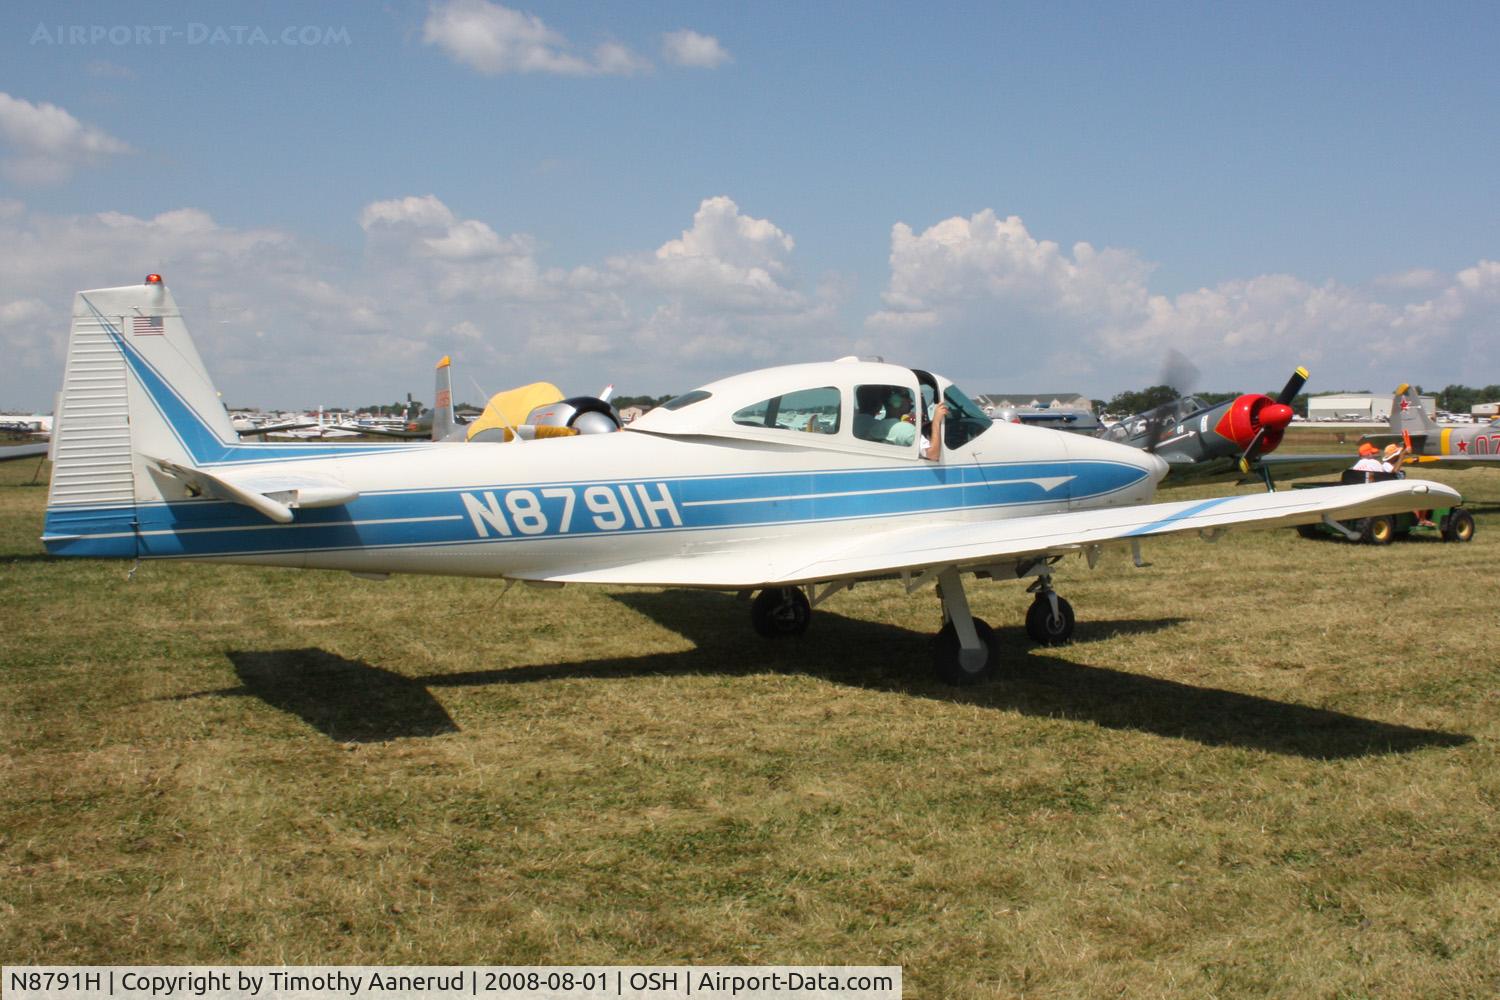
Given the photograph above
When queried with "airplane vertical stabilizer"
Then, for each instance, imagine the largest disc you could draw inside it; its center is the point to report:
(134, 391)
(443, 420)
(1407, 413)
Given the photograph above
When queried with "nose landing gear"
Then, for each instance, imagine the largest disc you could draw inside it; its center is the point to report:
(1049, 620)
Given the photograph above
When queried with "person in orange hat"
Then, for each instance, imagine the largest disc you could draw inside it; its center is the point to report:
(1369, 463)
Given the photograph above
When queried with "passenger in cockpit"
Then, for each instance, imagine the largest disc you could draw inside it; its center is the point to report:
(883, 413)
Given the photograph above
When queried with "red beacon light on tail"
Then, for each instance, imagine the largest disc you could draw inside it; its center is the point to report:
(153, 279)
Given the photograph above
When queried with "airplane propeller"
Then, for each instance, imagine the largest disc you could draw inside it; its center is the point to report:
(1273, 418)
(1180, 375)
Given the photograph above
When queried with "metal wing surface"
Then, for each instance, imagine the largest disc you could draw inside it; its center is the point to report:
(1293, 466)
(1470, 461)
(743, 564)
(23, 451)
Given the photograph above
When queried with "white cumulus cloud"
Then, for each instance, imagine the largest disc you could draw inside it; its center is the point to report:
(45, 144)
(686, 47)
(285, 320)
(495, 39)
(1024, 308)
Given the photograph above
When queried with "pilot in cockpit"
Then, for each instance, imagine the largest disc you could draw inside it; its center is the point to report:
(884, 413)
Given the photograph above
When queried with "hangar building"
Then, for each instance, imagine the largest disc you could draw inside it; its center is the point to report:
(1358, 406)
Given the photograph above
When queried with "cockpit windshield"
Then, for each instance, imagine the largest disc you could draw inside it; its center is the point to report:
(965, 420)
(1188, 405)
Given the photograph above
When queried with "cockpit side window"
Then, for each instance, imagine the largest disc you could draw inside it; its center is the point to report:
(884, 413)
(813, 410)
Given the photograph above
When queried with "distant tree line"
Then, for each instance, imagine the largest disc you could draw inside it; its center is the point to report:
(1461, 398)
(1453, 398)
(1134, 401)
(644, 402)
(392, 409)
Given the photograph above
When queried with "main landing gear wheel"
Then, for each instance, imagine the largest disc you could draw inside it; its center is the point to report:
(780, 611)
(1458, 526)
(956, 665)
(1047, 628)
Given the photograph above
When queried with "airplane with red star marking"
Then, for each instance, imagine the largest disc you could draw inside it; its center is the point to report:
(1431, 444)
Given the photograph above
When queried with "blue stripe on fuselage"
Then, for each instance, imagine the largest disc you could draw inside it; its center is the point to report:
(516, 512)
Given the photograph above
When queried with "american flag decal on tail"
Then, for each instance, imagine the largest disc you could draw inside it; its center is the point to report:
(146, 326)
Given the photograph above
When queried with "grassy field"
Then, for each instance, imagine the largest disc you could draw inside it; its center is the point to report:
(1267, 767)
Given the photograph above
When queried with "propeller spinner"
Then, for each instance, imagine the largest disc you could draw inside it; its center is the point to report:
(1261, 419)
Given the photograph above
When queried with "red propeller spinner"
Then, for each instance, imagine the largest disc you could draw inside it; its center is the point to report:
(1252, 414)
(1256, 422)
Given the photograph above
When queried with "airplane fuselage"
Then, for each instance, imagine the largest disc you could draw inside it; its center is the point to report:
(516, 509)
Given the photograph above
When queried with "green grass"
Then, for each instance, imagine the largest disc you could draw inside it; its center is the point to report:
(1267, 768)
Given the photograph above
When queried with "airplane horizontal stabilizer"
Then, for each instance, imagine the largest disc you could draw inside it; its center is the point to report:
(273, 493)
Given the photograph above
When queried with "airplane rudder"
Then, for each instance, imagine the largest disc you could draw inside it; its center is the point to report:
(134, 390)
(1408, 413)
(91, 498)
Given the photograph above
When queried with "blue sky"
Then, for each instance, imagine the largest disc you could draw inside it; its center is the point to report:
(1046, 196)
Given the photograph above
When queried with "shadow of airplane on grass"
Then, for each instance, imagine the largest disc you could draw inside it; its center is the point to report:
(354, 701)
(346, 700)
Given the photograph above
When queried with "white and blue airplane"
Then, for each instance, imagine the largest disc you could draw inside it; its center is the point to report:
(797, 482)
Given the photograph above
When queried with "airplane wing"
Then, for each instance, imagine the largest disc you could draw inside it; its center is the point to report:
(1293, 466)
(275, 493)
(1452, 461)
(402, 434)
(23, 451)
(999, 544)
(289, 425)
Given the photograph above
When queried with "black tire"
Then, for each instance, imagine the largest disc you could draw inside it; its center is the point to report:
(1308, 531)
(1044, 627)
(951, 669)
(1378, 530)
(1458, 526)
(780, 611)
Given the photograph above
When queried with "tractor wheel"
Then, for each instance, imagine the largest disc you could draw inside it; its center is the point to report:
(1378, 530)
(1458, 526)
